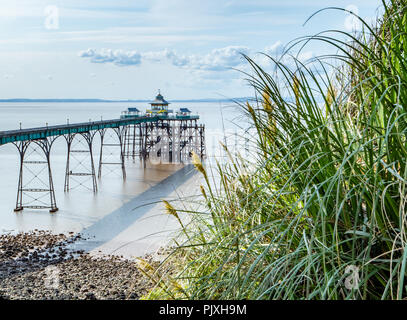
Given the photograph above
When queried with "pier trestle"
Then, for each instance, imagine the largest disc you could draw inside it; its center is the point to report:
(35, 159)
(133, 141)
(80, 148)
(172, 141)
(120, 132)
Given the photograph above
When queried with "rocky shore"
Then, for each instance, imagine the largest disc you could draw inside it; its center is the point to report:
(37, 265)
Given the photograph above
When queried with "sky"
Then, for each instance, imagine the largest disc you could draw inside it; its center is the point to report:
(128, 49)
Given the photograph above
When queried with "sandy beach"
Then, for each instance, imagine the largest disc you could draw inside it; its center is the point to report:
(141, 226)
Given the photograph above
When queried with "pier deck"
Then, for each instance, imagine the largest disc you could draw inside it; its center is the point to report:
(60, 130)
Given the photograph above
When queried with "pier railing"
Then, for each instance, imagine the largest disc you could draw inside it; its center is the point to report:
(60, 130)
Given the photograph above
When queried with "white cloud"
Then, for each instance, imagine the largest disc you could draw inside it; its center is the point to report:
(167, 55)
(216, 60)
(118, 57)
(217, 66)
(275, 49)
(221, 59)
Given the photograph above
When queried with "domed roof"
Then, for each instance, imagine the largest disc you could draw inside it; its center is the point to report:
(159, 100)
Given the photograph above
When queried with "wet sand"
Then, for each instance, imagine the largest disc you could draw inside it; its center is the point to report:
(141, 226)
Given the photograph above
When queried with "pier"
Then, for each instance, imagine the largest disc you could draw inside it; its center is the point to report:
(158, 135)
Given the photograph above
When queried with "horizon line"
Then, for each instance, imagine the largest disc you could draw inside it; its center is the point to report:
(119, 100)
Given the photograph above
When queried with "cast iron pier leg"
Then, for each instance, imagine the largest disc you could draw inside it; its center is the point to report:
(45, 145)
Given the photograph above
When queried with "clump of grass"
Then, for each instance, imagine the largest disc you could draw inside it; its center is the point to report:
(327, 193)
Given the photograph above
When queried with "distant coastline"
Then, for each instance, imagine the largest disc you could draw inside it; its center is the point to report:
(19, 100)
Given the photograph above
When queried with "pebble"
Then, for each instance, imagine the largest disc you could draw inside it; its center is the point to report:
(26, 258)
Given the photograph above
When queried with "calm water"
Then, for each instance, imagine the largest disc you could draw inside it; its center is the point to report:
(81, 208)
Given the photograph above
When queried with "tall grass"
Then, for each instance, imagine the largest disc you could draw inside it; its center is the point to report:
(321, 213)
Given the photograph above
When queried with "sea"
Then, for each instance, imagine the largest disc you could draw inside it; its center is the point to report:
(124, 215)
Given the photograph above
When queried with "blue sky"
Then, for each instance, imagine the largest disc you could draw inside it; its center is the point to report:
(122, 49)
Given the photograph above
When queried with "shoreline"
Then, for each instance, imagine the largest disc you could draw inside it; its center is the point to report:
(142, 213)
(38, 265)
(98, 262)
(108, 228)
